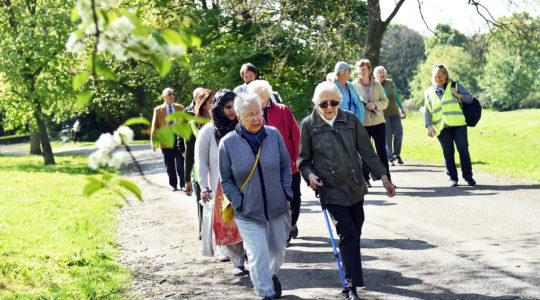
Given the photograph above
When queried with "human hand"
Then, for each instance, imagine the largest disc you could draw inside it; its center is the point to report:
(431, 131)
(314, 181)
(403, 113)
(456, 94)
(206, 195)
(153, 148)
(390, 188)
(371, 106)
(189, 188)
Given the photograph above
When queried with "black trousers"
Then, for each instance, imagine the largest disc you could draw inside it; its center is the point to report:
(174, 162)
(296, 201)
(197, 191)
(378, 133)
(348, 221)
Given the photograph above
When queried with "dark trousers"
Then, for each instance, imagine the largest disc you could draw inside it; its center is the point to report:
(296, 201)
(348, 221)
(197, 191)
(76, 136)
(378, 133)
(447, 138)
(174, 162)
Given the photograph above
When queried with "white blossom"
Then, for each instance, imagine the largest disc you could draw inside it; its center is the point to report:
(99, 158)
(119, 158)
(74, 44)
(123, 133)
(106, 142)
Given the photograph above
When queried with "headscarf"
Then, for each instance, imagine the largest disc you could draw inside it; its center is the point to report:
(222, 123)
(203, 96)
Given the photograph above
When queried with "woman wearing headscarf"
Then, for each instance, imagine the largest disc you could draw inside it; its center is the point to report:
(375, 102)
(206, 158)
(444, 118)
(281, 117)
(256, 177)
(331, 139)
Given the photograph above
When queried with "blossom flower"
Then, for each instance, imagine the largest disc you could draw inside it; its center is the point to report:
(106, 142)
(119, 158)
(123, 133)
(98, 158)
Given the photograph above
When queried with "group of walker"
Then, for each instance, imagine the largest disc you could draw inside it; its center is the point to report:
(253, 153)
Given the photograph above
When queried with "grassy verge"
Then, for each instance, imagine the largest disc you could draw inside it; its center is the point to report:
(58, 145)
(55, 242)
(503, 143)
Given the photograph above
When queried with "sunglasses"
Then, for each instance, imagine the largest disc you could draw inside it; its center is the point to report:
(333, 103)
(170, 94)
(438, 66)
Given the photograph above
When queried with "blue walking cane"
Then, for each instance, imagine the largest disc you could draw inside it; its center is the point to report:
(323, 206)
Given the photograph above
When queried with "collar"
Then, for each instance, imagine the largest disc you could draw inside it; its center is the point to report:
(317, 120)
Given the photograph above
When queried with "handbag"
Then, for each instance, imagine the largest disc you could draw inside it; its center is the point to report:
(227, 210)
(471, 111)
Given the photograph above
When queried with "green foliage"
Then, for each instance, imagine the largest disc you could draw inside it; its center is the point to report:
(446, 35)
(455, 59)
(493, 143)
(57, 243)
(512, 73)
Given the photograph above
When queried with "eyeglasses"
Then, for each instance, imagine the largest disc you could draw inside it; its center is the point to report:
(333, 103)
(253, 117)
(170, 94)
(438, 66)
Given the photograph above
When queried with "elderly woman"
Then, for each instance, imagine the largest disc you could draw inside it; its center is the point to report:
(375, 102)
(206, 158)
(331, 139)
(444, 119)
(351, 100)
(392, 115)
(255, 157)
(281, 117)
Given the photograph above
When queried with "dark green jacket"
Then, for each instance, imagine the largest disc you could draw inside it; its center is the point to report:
(331, 153)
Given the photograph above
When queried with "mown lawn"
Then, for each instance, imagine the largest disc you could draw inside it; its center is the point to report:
(56, 243)
(503, 143)
(58, 145)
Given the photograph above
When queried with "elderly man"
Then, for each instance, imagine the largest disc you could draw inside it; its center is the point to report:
(173, 157)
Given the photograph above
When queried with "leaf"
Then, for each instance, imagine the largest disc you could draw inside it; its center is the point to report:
(166, 67)
(83, 98)
(74, 14)
(172, 37)
(79, 80)
(182, 129)
(130, 186)
(163, 67)
(202, 120)
(103, 70)
(179, 115)
(159, 39)
(92, 186)
(166, 137)
(133, 121)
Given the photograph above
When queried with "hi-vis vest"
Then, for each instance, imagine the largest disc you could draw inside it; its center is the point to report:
(444, 111)
(195, 130)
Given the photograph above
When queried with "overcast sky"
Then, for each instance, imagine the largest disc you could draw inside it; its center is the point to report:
(458, 13)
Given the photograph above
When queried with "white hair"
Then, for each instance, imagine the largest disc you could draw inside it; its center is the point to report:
(331, 76)
(166, 91)
(261, 88)
(326, 87)
(377, 69)
(242, 100)
(196, 91)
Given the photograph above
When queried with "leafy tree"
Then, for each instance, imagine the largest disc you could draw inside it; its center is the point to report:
(446, 35)
(455, 59)
(512, 69)
(35, 64)
(402, 50)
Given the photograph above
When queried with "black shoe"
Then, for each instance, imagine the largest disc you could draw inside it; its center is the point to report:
(288, 243)
(294, 231)
(368, 184)
(391, 163)
(351, 294)
(277, 287)
(267, 298)
(471, 182)
(399, 161)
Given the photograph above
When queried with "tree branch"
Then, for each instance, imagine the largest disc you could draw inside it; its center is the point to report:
(394, 12)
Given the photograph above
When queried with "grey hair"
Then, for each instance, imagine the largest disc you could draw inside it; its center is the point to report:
(242, 100)
(196, 91)
(325, 87)
(166, 91)
(377, 69)
(261, 88)
(331, 76)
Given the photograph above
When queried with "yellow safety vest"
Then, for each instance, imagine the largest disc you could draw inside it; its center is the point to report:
(195, 130)
(444, 111)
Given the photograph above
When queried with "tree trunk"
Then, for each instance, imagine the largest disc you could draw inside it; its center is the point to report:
(35, 145)
(48, 156)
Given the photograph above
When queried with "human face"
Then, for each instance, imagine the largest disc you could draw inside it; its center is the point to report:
(169, 98)
(248, 76)
(439, 78)
(381, 76)
(252, 119)
(206, 107)
(346, 75)
(330, 111)
(229, 110)
(363, 71)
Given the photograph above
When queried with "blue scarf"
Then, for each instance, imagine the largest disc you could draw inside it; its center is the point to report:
(254, 139)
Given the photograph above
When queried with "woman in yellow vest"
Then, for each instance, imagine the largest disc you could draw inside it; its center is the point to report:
(444, 119)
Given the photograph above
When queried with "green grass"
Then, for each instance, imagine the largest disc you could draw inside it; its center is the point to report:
(503, 143)
(57, 145)
(56, 243)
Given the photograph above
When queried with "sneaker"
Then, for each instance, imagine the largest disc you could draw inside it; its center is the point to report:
(399, 161)
(452, 182)
(224, 254)
(174, 188)
(239, 271)
(277, 287)
(294, 231)
(391, 162)
(471, 182)
(368, 184)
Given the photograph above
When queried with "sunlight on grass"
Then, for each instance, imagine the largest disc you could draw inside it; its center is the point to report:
(58, 145)
(56, 243)
(503, 143)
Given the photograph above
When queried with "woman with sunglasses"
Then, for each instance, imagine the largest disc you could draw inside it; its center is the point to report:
(330, 141)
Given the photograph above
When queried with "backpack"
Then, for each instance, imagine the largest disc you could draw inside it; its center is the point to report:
(472, 111)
